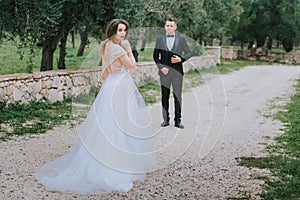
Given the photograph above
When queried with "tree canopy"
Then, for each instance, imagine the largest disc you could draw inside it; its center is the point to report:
(48, 23)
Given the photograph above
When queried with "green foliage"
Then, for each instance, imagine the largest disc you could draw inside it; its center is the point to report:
(272, 19)
(241, 31)
(46, 23)
(199, 19)
(290, 24)
(194, 25)
(32, 22)
(221, 15)
(133, 11)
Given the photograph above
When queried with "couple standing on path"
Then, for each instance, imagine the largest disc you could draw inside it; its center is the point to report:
(115, 146)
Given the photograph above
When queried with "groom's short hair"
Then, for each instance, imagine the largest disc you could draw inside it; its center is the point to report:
(171, 19)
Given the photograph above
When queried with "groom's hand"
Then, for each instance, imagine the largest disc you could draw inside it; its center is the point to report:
(165, 70)
(175, 59)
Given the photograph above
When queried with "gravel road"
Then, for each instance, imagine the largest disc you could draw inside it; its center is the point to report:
(225, 118)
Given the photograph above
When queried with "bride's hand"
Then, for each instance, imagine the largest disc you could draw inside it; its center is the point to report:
(126, 45)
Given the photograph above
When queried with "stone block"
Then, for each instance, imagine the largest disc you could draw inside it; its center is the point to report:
(38, 86)
(38, 97)
(2, 95)
(17, 95)
(55, 95)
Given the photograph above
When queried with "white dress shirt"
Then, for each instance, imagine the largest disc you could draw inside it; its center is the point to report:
(170, 41)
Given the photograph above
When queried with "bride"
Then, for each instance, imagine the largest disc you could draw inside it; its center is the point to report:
(114, 147)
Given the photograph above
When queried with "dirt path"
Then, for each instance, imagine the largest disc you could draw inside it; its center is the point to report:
(225, 118)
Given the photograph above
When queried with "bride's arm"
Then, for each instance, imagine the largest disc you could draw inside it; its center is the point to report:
(104, 69)
(127, 59)
(104, 74)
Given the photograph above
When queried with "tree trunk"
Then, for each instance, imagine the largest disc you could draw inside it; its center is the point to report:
(49, 47)
(269, 44)
(62, 51)
(211, 40)
(1, 30)
(201, 40)
(250, 44)
(73, 37)
(260, 41)
(83, 43)
(288, 44)
(144, 40)
(221, 42)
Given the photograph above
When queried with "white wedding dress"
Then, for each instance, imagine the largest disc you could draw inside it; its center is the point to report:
(114, 146)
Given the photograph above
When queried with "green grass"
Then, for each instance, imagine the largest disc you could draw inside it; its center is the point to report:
(275, 50)
(21, 119)
(39, 117)
(146, 55)
(14, 59)
(284, 156)
(281, 50)
(192, 78)
(227, 65)
(150, 91)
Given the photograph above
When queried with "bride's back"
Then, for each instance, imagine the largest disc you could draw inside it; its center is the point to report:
(111, 56)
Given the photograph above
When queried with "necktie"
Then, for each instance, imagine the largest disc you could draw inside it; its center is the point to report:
(170, 35)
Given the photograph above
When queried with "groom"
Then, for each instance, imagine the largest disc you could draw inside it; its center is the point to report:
(168, 56)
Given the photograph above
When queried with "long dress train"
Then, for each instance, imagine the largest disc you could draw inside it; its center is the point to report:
(113, 148)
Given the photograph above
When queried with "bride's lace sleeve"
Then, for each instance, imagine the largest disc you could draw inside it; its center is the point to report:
(111, 53)
(117, 51)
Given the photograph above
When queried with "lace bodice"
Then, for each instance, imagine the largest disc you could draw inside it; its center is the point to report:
(110, 58)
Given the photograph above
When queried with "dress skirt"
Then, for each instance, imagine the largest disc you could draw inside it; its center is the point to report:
(114, 146)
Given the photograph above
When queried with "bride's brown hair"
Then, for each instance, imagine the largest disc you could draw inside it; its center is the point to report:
(111, 30)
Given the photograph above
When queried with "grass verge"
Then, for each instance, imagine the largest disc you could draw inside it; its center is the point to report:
(21, 119)
(283, 158)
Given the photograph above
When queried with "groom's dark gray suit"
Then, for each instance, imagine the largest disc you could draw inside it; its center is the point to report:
(162, 57)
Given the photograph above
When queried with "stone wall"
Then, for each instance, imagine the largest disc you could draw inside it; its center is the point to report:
(216, 52)
(261, 54)
(53, 86)
(227, 52)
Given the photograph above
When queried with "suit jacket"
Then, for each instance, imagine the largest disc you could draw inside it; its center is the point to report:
(162, 55)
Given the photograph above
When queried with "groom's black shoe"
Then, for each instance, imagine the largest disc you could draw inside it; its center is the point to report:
(179, 125)
(165, 123)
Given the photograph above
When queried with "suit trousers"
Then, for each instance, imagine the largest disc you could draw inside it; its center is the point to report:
(174, 79)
